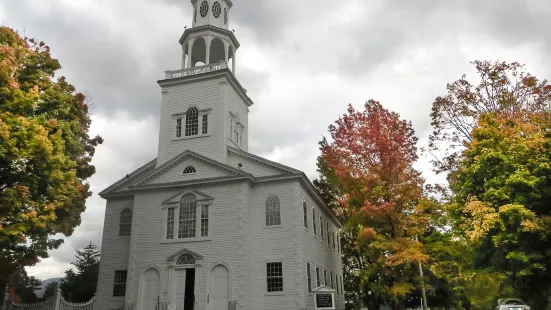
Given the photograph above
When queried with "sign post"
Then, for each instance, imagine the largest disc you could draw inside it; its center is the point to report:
(324, 298)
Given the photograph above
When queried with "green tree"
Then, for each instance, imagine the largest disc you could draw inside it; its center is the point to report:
(502, 194)
(80, 286)
(23, 288)
(50, 290)
(45, 153)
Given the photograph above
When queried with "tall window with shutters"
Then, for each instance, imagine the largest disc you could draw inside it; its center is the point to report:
(273, 212)
(125, 223)
(187, 217)
(192, 122)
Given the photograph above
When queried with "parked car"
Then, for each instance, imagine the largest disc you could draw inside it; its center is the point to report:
(511, 304)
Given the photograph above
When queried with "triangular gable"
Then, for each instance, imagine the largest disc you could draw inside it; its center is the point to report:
(171, 171)
(178, 197)
(256, 165)
(130, 179)
(195, 168)
(182, 252)
(323, 289)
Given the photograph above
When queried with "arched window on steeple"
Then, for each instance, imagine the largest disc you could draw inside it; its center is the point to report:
(192, 122)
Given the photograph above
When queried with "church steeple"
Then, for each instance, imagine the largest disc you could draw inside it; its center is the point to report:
(204, 107)
(209, 41)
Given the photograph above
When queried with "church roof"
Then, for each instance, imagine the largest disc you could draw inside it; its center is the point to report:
(137, 180)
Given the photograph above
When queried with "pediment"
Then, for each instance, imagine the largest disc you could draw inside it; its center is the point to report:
(181, 252)
(323, 289)
(201, 197)
(178, 169)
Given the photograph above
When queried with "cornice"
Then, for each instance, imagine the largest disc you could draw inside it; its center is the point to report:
(222, 73)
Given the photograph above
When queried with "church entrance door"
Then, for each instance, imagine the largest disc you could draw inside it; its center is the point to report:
(150, 289)
(219, 288)
(185, 289)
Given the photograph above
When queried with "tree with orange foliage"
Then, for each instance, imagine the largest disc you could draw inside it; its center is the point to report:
(381, 197)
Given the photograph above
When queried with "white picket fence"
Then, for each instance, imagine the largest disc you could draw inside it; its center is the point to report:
(55, 302)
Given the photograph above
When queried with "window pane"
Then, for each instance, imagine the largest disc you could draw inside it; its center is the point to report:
(274, 275)
(125, 223)
(328, 237)
(192, 122)
(119, 283)
(204, 221)
(314, 220)
(179, 128)
(170, 224)
(321, 228)
(187, 217)
(318, 281)
(309, 278)
(325, 278)
(273, 215)
(305, 211)
(205, 126)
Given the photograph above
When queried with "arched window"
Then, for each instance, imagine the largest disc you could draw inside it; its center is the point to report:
(186, 259)
(273, 214)
(189, 169)
(187, 216)
(125, 223)
(192, 122)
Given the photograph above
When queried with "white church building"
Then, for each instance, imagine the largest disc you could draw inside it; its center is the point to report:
(208, 225)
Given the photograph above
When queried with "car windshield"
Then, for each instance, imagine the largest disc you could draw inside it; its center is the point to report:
(513, 302)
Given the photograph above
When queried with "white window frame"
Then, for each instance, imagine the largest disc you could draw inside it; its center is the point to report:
(182, 117)
(176, 206)
(236, 127)
(282, 277)
(309, 278)
(266, 211)
(318, 277)
(321, 228)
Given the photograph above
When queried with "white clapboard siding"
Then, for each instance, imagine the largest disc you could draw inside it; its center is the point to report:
(205, 94)
(114, 253)
(317, 252)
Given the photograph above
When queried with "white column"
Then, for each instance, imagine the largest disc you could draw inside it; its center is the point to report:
(184, 56)
(208, 41)
(233, 64)
(226, 51)
(171, 287)
(189, 50)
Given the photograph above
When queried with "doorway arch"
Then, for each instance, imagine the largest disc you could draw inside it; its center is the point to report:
(219, 287)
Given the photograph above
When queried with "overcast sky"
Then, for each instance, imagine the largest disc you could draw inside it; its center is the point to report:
(302, 62)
